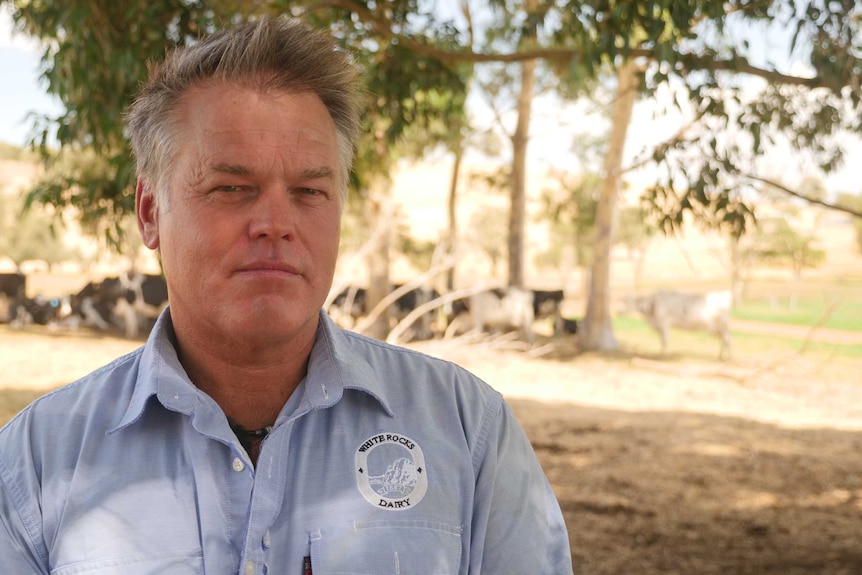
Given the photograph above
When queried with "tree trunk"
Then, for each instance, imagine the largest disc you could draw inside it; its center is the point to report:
(380, 204)
(452, 213)
(518, 204)
(596, 332)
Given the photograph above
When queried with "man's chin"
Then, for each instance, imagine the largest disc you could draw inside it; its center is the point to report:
(272, 323)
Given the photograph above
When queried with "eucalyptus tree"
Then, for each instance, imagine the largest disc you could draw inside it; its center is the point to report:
(95, 53)
(414, 100)
(708, 170)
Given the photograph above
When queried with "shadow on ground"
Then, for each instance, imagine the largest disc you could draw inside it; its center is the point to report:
(669, 492)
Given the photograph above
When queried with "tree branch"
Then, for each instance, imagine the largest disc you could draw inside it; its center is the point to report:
(795, 194)
(691, 62)
(740, 64)
(678, 138)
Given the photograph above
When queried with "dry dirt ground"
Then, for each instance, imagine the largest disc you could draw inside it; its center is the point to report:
(673, 465)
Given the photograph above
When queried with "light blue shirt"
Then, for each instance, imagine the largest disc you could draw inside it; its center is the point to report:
(384, 461)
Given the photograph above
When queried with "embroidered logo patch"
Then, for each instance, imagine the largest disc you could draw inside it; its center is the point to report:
(390, 471)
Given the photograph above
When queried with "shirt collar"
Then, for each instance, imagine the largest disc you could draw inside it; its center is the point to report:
(161, 374)
(333, 366)
(334, 359)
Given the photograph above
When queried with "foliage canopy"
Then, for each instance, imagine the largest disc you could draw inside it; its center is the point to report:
(418, 62)
(95, 54)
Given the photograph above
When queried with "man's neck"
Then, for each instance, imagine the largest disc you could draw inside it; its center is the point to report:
(250, 383)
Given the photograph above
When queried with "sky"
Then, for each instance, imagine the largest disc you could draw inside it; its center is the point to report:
(22, 93)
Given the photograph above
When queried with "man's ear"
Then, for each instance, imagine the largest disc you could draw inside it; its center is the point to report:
(147, 214)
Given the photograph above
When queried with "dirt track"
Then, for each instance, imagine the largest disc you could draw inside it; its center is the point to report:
(662, 467)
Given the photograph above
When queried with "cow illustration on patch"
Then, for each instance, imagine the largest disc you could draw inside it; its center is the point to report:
(390, 471)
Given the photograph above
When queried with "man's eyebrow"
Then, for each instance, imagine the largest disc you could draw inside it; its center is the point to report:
(241, 170)
(233, 169)
(316, 173)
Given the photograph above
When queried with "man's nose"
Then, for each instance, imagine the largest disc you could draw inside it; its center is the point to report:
(272, 215)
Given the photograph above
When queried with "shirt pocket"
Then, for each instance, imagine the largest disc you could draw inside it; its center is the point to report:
(387, 547)
(180, 562)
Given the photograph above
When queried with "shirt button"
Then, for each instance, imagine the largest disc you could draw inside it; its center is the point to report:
(249, 568)
(266, 540)
(238, 465)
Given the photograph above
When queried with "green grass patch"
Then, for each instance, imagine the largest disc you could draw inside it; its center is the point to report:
(808, 301)
(845, 315)
(636, 336)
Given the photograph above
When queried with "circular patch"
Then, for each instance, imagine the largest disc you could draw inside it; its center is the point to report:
(390, 471)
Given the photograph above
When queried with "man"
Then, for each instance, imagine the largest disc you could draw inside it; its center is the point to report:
(250, 435)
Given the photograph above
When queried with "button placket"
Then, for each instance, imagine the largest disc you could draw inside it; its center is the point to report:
(266, 498)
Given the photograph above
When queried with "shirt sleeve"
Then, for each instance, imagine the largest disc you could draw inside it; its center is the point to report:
(518, 527)
(20, 502)
(16, 551)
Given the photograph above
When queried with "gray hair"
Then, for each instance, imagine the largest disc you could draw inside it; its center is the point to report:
(279, 54)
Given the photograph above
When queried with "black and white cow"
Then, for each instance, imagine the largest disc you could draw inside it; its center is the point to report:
(548, 304)
(38, 310)
(146, 295)
(13, 285)
(569, 326)
(129, 302)
(499, 309)
(409, 301)
(19, 310)
(13, 290)
(692, 311)
(350, 305)
(93, 305)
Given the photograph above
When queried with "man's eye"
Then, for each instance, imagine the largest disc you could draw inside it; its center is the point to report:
(229, 188)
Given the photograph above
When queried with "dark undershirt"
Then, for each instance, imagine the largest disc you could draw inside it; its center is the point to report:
(250, 439)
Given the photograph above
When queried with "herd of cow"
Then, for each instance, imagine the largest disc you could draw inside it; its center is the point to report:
(129, 303)
(494, 309)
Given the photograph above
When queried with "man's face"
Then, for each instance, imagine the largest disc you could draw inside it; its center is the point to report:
(249, 230)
